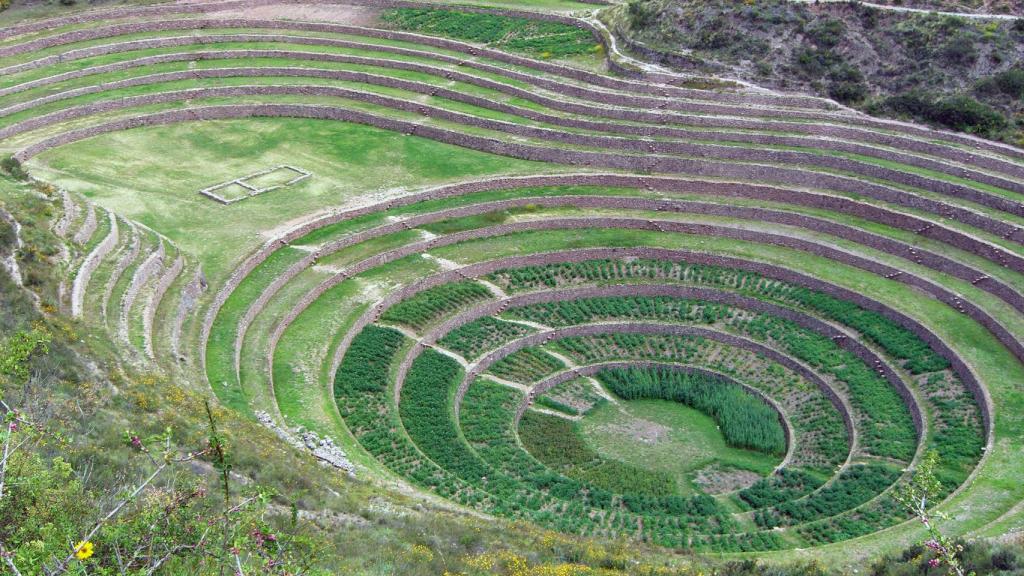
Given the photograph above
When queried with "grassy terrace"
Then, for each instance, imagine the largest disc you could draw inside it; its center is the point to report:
(446, 407)
(425, 79)
(142, 139)
(303, 331)
(1003, 241)
(377, 165)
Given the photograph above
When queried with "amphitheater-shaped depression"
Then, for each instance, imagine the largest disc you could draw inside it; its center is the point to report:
(554, 288)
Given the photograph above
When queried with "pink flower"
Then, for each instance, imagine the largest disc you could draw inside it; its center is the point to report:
(934, 563)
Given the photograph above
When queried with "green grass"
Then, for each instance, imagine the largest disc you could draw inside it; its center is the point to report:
(153, 175)
(742, 418)
(534, 37)
(299, 360)
(668, 437)
(469, 109)
(516, 244)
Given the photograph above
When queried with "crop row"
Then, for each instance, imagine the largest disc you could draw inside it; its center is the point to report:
(427, 306)
(545, 39)
(518, 491)
(896, 340)
(886, 426)
(476, 337)
(360, 390)
(821, 443)
(526, 366)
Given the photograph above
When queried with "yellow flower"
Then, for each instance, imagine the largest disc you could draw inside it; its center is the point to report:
(421, 553)
(83, 550)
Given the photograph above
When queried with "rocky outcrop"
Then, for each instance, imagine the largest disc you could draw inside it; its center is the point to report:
(323, 449)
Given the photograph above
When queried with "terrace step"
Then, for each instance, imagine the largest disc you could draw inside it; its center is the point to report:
(89, 265)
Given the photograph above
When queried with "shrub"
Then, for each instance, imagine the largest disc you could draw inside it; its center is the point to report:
(959, 50)
(11, 165)
(827, 33)
(641, 14)
(848, 92)
(1009, 82)
(960, 112)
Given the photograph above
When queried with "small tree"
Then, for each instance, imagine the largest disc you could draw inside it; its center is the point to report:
(917, 495)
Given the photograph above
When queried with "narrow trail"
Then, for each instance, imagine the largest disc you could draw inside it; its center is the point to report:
(970, 15)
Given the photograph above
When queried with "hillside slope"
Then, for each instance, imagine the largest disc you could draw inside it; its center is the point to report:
(955, 72)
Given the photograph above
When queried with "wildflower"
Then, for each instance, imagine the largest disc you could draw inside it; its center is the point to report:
(934, 563)
(83, 550)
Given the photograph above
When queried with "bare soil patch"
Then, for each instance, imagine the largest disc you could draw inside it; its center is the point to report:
(715, 479)
(334, 13)
(641, 430)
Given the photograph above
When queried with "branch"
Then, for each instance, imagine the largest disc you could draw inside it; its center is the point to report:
(8, 560)
(174, 551)
(62, 567)
(3, 463)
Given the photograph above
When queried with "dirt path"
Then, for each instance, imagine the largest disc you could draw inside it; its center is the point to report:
(971, 15)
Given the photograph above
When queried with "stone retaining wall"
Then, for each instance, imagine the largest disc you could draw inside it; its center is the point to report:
(968, 378)
(89, 265)
(841, 338)
(941, 293)
(666, 330)
(493, 307)
(897, 220)
(149, 268)
(166, 279)
(70, 211)
(826, 130)
(646, 164)
(190, 294)
(935, 261)
(696, 150)
(89, 224)
(122, 265)
(789, 100)
(444, 192)
(198, 24)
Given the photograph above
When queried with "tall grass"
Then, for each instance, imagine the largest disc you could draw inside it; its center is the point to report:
(745, 420)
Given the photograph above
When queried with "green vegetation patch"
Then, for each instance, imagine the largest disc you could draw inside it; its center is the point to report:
(425, 307)
(474, 338)
(534, 37)
(558, 443)
(744, 420)
(526, 365)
